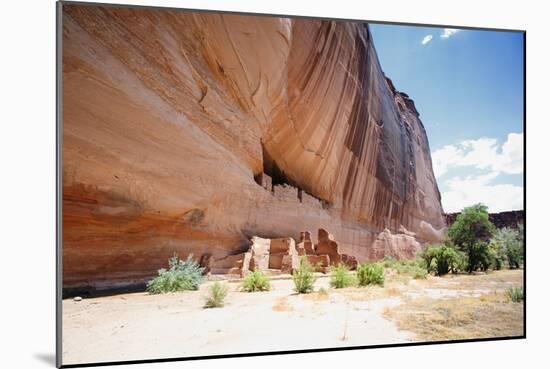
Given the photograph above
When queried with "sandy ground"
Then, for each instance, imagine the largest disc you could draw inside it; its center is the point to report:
(142, 326)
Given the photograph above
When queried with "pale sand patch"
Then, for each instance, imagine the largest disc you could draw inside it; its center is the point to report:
(142, 326)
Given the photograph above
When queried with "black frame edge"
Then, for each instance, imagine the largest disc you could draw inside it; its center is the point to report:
(59, 186)
(234, 12)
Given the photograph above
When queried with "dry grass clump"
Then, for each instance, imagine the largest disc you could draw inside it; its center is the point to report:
(320, 295)
(491, 280)
(282, 305)
(372, 292)
(490, 315)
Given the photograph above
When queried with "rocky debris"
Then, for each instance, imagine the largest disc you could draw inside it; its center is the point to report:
(321, 263)
(399, 246)
(77, 298)
(350, 261)
(189, 131)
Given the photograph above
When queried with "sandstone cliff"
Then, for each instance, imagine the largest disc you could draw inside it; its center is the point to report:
(193, 132)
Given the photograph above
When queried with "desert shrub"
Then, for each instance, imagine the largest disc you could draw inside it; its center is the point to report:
(323, 291)
(442, 259)
(521, 231)
(471, 233)
(420, 274)
(514, 254)
(303, 277)
(216, 295)
(515, 294)
(256, 281)
(497, 255)
(370, 274)
(414, 268)
(340, 277)
(389, 262)
(508, 243)
(180, 276)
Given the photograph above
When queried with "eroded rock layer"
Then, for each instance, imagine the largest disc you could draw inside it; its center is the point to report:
(193, 132)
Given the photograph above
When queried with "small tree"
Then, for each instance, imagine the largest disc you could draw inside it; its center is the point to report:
(471, 233)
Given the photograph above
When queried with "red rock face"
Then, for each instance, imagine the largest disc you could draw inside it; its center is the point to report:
(192, 132)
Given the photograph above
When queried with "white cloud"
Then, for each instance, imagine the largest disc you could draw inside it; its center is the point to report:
(483, 153)
(448, 32)
(426, 39)
(468, 191)
(487, 155)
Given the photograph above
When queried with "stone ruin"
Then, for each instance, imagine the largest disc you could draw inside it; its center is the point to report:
(281, 255)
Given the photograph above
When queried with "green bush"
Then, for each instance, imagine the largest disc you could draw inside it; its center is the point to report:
(442, 259)
(497, 255)
(516, 294)
(340, 277)
(471, 233)
(480, 257)
(370, 274)
(256, 281)
(303, 276)
(217, 293)
(323, 291)
(509, 244)
(180, 276)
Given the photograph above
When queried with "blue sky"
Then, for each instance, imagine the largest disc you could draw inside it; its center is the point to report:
(468, 88)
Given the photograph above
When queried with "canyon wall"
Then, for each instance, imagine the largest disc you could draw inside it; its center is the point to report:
(193, 132)
(510, 219)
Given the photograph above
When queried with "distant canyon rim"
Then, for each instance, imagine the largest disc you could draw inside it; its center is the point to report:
(194, 132)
